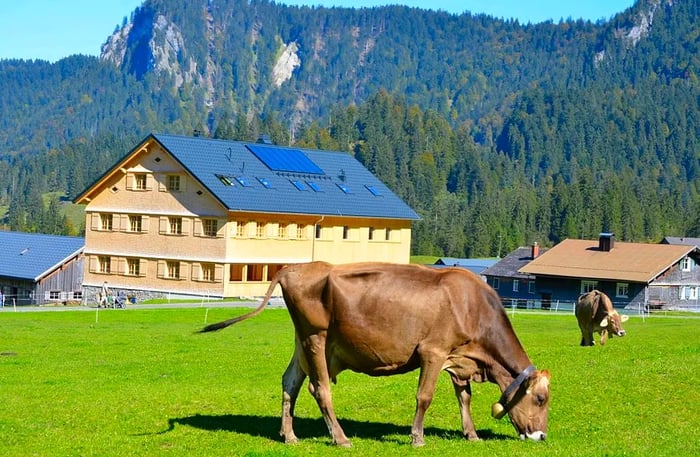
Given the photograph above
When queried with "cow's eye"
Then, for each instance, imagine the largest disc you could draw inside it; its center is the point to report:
(541, 399)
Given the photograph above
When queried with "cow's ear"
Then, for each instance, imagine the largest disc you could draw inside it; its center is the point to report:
(604, 322)
(624, 317)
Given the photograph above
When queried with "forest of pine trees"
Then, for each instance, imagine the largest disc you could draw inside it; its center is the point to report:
(497, 134)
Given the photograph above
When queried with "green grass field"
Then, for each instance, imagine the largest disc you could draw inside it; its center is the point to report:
(140, 382)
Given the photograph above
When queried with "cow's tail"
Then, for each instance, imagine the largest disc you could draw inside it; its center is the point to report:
(255, 312)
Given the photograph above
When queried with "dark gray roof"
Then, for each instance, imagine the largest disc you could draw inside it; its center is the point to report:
(31, 255)
(509, 265)
(681, 240)
(331, 183)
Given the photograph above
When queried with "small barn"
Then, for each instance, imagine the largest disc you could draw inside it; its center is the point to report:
(476, 266)
(37, 269)
(516, 288)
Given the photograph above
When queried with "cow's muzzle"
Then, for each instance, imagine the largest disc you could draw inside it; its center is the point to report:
(534, 436)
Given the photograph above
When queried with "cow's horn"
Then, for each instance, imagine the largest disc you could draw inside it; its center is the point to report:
(498, 411)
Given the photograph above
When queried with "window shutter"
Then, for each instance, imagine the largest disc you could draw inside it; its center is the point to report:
(196, 271)
(123, 223)
(184, 270)
(162, 225)
(197, 227)
(186, 222)
(144, 224)
(95, 221)
(149, 181)
(162, 184)
(218, 273)
(93, 264)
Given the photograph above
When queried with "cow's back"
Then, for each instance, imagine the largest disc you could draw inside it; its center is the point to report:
(383, 314)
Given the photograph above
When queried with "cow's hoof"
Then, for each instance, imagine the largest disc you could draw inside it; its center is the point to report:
(417, 441)
(290, 439)
(472, 437)
(345, 444)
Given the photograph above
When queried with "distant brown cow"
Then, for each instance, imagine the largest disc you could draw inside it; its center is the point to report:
(384, 319)
(595, 313)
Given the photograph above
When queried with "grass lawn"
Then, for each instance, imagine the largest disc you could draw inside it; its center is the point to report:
(140, 382)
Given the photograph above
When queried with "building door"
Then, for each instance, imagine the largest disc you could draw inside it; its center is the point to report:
(546, 300)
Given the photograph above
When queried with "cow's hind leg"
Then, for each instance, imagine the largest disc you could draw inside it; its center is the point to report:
(320, 386)
(292, 381)
(463, 390)
(429, 372)
(587, 336)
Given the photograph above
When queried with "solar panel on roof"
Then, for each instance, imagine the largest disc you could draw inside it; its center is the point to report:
(283, 159)
(373, 190)
(243, 181)
(298, 184)
(265, 182)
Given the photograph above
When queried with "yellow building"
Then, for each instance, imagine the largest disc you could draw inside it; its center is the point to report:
(194, 216)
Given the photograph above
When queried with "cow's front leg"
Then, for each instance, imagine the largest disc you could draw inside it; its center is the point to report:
(429, 372)
(320, 386)
(292, 381)
(463, 390)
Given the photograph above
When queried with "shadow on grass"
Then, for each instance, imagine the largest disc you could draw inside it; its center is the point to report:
(268, 427)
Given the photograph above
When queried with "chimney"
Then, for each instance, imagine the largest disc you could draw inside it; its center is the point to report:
(264, 139)
(606, 242)
(534, 250)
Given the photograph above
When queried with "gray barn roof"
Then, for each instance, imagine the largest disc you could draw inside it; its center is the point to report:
(30, 256)
(475, 265)
(274, 179)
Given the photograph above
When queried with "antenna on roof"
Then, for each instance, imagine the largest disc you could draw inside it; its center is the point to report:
(196, 132)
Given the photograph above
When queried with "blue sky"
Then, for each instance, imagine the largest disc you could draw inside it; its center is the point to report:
(53, 29)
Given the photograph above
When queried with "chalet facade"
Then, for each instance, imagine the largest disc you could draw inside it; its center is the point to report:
(201, 217)
(38, 269)
(635, 276)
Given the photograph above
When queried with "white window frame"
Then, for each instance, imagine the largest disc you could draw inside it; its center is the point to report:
(686, 264)
(173, 183)
(622, 290)
(106, 222)
(587, 286)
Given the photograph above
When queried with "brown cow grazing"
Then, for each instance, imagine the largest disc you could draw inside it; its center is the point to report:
(383, 319)
(595, 313)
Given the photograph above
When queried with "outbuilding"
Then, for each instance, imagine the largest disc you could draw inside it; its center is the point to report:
(37, 269)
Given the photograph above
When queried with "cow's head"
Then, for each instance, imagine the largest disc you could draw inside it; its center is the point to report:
(612, 322)
(529, 407)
